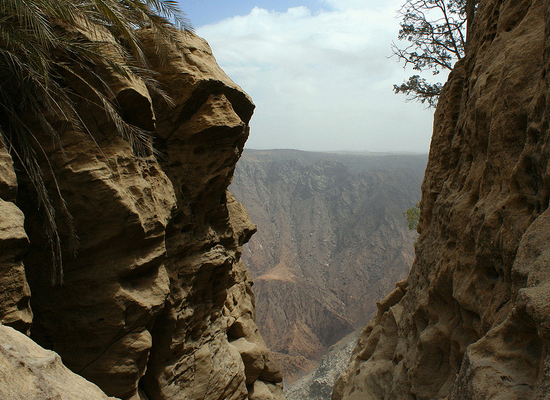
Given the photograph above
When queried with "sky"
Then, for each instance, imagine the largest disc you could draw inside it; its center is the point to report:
(318, 71)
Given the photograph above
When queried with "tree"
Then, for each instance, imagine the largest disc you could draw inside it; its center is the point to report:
(412, 215)
(40, 47)
(435, 30)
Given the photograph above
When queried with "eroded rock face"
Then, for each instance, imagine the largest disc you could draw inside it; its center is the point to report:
(155, 303)
(472, 320)
(27, 371)
(15, 294)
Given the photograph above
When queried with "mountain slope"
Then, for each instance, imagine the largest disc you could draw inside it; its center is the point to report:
(331, 240)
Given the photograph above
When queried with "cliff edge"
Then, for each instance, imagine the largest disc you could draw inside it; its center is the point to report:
(155, 303)
(472, 319)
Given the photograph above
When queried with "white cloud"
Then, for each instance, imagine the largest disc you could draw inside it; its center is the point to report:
(322, 81)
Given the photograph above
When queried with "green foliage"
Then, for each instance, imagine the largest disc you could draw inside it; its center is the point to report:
(419, 89)
(41, 48)
(435, 32)
(412, 215)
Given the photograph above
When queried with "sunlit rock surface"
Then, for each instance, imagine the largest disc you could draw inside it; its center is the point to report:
(155, 303)
(27, 371)
(15, 294)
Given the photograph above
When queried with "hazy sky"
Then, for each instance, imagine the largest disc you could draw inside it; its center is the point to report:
(317, 70)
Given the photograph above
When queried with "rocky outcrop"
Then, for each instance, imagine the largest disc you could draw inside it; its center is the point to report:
(15, 309)
(332, 239)
(155, 303)
(472, 321)
(27, 371)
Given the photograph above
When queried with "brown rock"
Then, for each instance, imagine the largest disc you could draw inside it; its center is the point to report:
(202, 138)
(28, 371)
(271, 371)
(155, 280)
(116, 285)
(15, 310)
(15, 293)
(8, 179)
(265, 391)
(474, 321)
(260, 391)
(126, 359)
(253, 358)
(276, 390)
(390, 300)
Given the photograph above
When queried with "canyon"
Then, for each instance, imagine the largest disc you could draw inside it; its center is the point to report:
(331, 241)
(157, 303)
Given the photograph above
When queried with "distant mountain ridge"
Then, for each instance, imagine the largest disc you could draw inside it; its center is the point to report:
(331, 241)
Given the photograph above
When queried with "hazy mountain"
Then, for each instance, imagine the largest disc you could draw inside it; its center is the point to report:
(331, 241)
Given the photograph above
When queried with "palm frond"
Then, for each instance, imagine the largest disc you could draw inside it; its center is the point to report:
(46, 43)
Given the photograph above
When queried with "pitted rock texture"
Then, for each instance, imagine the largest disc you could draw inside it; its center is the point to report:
(155, 303)
(471, 322)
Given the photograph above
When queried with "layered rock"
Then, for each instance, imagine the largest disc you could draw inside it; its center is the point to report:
(332, 239)
(471, 321)
(155, 302)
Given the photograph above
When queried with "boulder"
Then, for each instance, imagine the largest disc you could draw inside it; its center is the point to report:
(27, 371)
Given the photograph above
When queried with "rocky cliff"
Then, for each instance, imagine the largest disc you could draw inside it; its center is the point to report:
(472, 319)
(332, 240)
(156, 303)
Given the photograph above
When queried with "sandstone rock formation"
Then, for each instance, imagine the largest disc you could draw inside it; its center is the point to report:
(331, 240)
(156, 303)
(27, 371)
(471, 321)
